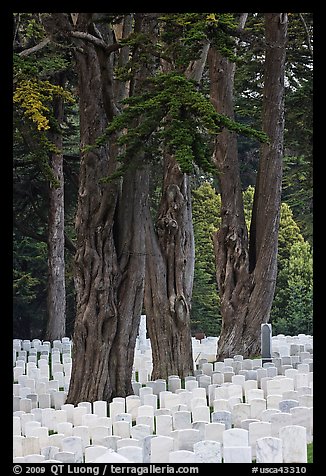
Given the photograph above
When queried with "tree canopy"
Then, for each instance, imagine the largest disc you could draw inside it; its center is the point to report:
(169, 113)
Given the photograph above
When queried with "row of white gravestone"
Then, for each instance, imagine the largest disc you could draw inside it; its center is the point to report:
(187, 446)
(258, 399)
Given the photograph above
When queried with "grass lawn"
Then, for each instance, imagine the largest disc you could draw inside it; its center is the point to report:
(310, 452)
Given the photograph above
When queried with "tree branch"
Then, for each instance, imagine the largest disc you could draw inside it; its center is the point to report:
(96, 41)
(26, 231)
(35, 48)
(307, 33)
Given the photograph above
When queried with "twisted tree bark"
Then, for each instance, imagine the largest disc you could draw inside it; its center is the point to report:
(246, 271)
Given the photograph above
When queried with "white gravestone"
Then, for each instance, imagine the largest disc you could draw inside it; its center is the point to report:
(237, 454)
(164, 425)
(294, 443)
(258, 430)
(187, 438)
(74, 444)
(181, 420)
(182, 456)
(269, 450)
(133, 453)
(214, 431)
(235, 437)
(161, 447)
(278, 421)
(208, 451)
(83, 433)
(93, 452)
(122, 429)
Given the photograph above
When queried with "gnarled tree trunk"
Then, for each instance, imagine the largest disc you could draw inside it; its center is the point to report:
(169, 276)
(246, 273)
(110, 258)
(170, 264)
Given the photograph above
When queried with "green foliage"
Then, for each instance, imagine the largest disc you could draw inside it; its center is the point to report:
(205, 313)
(29, 286)
(183, 34)
(292, 307)
(310, 449)
(171, 113)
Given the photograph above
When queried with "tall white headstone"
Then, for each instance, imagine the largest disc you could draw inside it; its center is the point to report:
(142, 333)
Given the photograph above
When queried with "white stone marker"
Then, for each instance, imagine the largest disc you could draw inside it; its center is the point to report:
(144, 391)
(49, 451)
(254, 393)
(133, 453)
(278, 420)
(83, 433)
(222, 417)
(257, 406)
(34, 459)
(240, 411)
(48, 419)
(302, 416)
(294, 444)
(181, 420)
(31, 445)
(220, 405)
(69, 409)
(97, 433)
(18, 446)
(237, 454)
(93, 452)
(182, 456)
(65, 457)
(164, 425)
(74, 444)
(150, 399)
(16, 426)
(146, 420)
(273, 401)
(161, 447)
(78, 413)
(208, 451)
(214, 431)
(132, 404)
(235, 437)
(56, 440)
(139, 432)
(122, 429)
(122, 442)
(116, 407)
(201, 413)
(100, 408)
(306, 401)
(42, 434)
(187, 438)
(65, 427)
(258, 430)
(147, 448)
(111, 457)
(269, 450)
(89, 419)
(279, 385)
